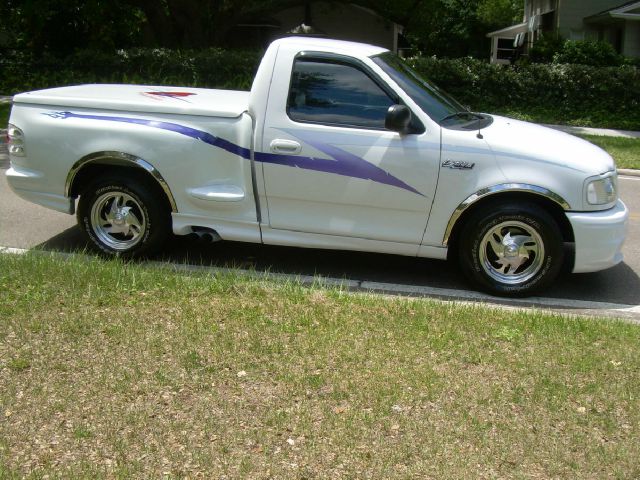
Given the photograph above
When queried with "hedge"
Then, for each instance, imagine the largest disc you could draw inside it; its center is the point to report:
(212, 68)
(579, 94)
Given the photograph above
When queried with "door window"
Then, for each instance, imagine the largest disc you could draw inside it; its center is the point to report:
(336, 93)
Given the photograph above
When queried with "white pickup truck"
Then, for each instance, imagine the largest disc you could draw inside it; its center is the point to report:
(338, 145)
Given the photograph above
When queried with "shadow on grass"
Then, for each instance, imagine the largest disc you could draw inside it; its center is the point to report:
(619, 284)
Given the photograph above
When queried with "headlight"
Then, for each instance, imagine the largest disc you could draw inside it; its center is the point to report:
(603, 190)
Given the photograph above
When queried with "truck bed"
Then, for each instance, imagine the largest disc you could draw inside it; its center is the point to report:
(143, 98)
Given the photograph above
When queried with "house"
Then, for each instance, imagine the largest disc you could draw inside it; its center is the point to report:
(606, 20)
(341, 20)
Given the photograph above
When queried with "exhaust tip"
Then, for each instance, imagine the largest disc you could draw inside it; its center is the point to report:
(205, 235)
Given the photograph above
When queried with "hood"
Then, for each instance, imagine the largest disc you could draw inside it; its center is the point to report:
(514, 140)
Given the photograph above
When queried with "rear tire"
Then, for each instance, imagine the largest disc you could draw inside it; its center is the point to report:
(511, 250)
(124, 216)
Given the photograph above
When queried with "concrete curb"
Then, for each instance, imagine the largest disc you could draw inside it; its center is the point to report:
(560, 306)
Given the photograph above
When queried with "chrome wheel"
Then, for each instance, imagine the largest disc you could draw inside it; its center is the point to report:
(118, 220)
(511, 252)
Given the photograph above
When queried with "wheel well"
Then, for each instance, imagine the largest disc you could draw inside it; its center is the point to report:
(96, 169)
(552, 208)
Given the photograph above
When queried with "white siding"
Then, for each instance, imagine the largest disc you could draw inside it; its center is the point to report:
(631, 41)
(571, 14)
(538, 7)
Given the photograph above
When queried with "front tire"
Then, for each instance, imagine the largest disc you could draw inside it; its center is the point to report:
(124, 216)
(511, 250)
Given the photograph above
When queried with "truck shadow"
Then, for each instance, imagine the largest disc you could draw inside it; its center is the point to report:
(619, 284)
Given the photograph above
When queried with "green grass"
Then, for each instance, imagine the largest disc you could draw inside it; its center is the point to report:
(111, 369)
(625, 151)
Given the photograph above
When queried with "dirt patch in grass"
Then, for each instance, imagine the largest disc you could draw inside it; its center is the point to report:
(114, 370)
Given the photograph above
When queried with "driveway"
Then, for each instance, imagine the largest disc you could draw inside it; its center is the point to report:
(24, 225)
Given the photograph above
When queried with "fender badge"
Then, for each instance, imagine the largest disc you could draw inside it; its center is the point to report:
(458, 165)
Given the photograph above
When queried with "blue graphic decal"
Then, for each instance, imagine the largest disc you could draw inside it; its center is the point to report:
(342, 162)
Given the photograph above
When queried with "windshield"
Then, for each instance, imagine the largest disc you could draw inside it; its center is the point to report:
(433, 101)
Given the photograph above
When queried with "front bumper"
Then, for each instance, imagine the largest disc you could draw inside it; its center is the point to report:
(599, 237)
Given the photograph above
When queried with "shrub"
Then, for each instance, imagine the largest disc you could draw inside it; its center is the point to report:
(603, 96)
(583, 94)
(545, 48)
(586, 52)
(213, 68)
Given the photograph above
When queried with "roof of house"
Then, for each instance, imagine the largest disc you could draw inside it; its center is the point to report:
(621, 11)
(510, 31)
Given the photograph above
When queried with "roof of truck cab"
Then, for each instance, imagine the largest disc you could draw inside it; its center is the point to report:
(142, 98)
(179, 100)
(340, 46)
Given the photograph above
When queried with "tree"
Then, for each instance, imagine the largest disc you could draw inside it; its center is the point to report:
(441, 27)
(454, 28)
(196, 23)
(60, 26)
(199, 23)
(500, 13)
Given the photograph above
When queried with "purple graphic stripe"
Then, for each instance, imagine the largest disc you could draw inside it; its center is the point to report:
(172, 127)
(353, 166)
(342, 162)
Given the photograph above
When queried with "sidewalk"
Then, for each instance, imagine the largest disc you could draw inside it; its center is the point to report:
(605, 132)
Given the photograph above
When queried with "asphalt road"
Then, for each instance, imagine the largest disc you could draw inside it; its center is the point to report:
(24, 225)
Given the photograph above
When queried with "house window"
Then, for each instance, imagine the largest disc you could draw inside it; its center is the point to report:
(579, 34)
(505, 49)
(336, 93)
(618, 35)
(547, 23)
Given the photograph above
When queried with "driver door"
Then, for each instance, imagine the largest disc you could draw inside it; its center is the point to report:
(329, 165)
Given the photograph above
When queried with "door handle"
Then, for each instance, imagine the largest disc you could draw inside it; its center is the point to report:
(289, 147)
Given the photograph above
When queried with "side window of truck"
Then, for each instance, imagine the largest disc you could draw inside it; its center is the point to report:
(336, 93)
